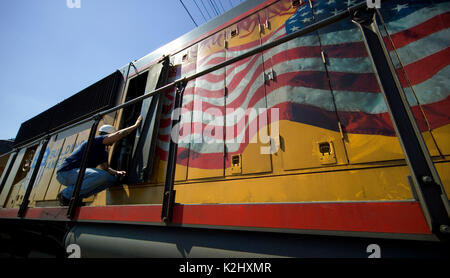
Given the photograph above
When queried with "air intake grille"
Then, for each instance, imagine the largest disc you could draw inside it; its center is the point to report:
(97, 97)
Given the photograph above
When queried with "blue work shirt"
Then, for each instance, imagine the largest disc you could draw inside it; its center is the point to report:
(98, 155)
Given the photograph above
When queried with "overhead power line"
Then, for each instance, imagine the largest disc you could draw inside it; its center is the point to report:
(204, 7)
(200, 10)
(188, 13)
(220, 3)
(209, 11)
(213, 7)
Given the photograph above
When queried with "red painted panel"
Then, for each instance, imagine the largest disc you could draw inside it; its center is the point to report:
(8, 213)
(150, 213)
(379, 217)
(389, 217)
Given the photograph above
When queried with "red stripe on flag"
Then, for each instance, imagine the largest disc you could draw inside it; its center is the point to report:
(438, 113)
(426, 28)
(425, 68)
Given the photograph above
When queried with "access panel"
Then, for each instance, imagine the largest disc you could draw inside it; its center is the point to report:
(144, 149)
(298, 86)
(247, 126)
(206, 153)
(418, 43)
(16, 177)
(54, 149)
(368, 132)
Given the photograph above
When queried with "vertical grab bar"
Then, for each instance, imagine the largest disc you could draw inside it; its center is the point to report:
(8, 170)
(74, 201)
(26, 197)
(429, 189)
(169, 193)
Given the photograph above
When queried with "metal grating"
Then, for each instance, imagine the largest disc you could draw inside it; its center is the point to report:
(97, 97)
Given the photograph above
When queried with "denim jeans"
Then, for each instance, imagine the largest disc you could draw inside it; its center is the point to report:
(95, 180)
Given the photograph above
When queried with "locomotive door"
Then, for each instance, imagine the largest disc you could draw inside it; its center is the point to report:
(298, 86)
(206, 152)
(248, 147)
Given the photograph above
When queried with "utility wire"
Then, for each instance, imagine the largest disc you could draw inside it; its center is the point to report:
(217, 7)
(220, 2)
(213, 7)
(188, 13)
(200, 10)
(204, 7)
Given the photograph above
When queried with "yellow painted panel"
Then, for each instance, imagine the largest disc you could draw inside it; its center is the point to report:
(3, 163)
(124, 195)
(2, 176)
(430, 143)
(13, 200)
(55, 147)
(243, 32)
(300, 146)
(363, 148)
(442, 136)
(15, 175)
(26, 182)
(198, 173)
(252, 160)
(443, 170)
(54, 186)
(276, 14)
(180, 173)
(369, 148)
(371, 184)
(159, 168)
(98, 200)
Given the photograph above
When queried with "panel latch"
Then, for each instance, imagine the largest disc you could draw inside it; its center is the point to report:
(327, 154)
(236, 164)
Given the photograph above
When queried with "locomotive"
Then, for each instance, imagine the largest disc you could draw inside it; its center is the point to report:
(281, 128)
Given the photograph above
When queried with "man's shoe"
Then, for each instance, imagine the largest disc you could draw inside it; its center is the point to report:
(66, 202)
(63, 201)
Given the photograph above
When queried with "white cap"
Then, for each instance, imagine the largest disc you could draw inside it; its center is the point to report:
(107, 129)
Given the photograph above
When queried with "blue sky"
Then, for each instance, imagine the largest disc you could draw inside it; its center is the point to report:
(49, 52)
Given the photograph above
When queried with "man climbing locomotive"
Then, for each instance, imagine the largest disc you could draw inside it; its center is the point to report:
(95, 179)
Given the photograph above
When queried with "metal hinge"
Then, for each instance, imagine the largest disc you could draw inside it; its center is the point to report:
(340, 130)
(324, 60)
(267, 24)
(264, 26)
(270, 75)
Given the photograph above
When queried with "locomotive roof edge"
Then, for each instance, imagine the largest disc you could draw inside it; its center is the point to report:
(215, 25)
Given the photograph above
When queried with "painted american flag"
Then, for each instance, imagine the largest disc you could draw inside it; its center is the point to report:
(306, 90)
